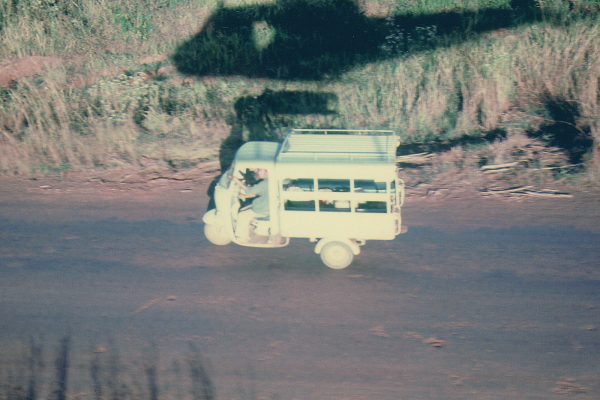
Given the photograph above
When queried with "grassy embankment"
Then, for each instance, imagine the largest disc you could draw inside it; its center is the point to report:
(482, 90)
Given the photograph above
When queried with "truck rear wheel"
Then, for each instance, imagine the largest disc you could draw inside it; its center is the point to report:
(336, 255)
(217, 234)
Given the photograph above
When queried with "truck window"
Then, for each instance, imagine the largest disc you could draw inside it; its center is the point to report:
(299, 205)
(334, 185)
(369, 186)
(299, 185)
(371, 207)
(334, 205)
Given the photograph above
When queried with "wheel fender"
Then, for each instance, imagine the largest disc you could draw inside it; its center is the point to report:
(354, 247)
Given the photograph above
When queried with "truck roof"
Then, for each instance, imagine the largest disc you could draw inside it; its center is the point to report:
(337, 145)
(340, 152)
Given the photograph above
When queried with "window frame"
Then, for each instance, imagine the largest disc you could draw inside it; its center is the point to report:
(352, 197)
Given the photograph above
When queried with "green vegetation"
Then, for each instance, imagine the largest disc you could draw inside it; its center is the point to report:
(159, 80)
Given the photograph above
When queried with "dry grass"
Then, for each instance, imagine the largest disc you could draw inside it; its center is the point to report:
(116, 98)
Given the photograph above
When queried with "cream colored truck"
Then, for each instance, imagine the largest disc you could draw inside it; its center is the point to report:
(337, 188)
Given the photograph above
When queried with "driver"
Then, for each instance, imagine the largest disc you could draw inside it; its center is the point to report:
(259, 207)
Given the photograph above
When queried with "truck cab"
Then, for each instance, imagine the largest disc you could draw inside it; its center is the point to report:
(337, 188)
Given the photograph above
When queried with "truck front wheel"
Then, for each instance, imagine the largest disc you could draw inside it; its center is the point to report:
(217, 234)
(336, 255)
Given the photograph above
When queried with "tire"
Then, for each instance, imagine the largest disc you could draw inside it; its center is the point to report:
(336, 255)
(217, 234)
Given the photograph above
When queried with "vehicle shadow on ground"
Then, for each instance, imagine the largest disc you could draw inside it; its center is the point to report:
(264, 117)
(317, 40)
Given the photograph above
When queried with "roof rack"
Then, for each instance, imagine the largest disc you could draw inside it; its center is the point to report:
(344, 131)
(345, 143)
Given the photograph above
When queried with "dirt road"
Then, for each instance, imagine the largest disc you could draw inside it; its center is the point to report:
(114, 293)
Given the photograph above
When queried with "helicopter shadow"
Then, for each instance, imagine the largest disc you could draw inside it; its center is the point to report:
(320, 40)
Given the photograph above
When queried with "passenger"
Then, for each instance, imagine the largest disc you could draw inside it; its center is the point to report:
(259, 207)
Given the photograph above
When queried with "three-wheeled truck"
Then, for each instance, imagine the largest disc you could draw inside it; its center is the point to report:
(337, 188)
